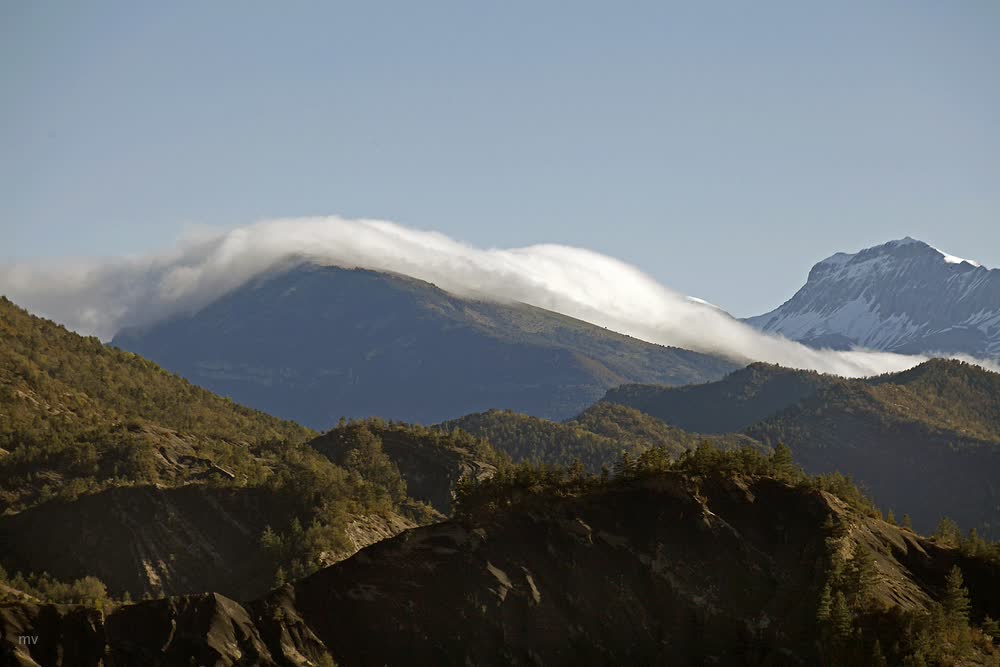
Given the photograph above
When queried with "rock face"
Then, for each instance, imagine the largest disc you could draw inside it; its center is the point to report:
(903, 296)
(316, 343)
(163, 541)
(667, 569)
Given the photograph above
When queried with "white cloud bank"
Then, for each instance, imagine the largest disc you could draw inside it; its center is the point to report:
(101, 297)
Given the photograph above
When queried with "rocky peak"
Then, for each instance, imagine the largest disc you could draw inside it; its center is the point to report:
(903, 296)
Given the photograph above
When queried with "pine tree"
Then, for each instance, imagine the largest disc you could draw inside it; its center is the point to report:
(974, 545)
(907, 522)
(825, 603)
(991, 627)
(863, 577)
(781, 460)
(890, 518)
(956, 601)
(841, 619)
(947, 532)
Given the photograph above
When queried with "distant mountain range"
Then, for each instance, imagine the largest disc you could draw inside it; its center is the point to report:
(903, 296)
(110, 466)
(924, 441)
(314, 343)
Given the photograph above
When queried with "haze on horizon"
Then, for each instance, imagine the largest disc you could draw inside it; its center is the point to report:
(721, 149)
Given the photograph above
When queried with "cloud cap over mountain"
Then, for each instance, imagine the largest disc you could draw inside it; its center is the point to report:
(101, 297)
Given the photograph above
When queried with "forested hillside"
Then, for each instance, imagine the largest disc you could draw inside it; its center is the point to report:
(162, 487)
(924, 442)
(597, 438)
(728, 405)
(555, 566)
(424, 462)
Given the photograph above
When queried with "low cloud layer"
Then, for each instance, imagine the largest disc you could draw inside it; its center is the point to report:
(100, 297)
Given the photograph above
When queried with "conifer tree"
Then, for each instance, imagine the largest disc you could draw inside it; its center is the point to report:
(825, 604)
(781, 459)
(991, 627)
(863, 577)
(956, 601)
(841, 619)
(947, 532)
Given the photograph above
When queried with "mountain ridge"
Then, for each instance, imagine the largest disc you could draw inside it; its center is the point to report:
(925, 441)
(314, 343)
(680, 541)
(903, 296)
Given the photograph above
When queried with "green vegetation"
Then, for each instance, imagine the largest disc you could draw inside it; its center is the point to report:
(944, 394)
(89, 591)
(891, 433)
(77, 416)
(528, 479)
(596, 438)
(536, 440)
(855, 625)
(731, 404)
(430, 461)
(338, 442)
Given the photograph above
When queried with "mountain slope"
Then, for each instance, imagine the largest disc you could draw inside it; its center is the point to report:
(727, 405)
(77, 416)
(596, 438)
(110, 466)
(924, 441)
(903, 296)
(650, 568)
(430, 461)
(315, 343)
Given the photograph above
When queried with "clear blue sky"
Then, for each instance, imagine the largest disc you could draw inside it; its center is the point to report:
(721, 146)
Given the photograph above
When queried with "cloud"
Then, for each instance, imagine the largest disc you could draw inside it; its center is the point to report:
(100, 297)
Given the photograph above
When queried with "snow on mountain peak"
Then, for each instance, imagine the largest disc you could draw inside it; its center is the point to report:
(907, 245)
(901, 296)
(951, 259)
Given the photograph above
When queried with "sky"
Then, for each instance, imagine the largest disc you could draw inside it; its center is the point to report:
(721, 147)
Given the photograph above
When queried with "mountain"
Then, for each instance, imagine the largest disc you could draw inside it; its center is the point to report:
(717, 559)
(728, 405)
(112, 467)
(925, 441)
(596, 438)
(314, 343)
(903, 296)
(430, 461)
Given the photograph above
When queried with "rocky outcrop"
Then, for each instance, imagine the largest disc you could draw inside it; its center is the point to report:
(148, 540)
(663, 570)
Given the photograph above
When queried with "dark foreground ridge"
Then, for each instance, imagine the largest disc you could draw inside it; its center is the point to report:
(668, 563)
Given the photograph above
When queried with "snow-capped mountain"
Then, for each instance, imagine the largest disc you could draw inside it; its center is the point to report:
(903, 296)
